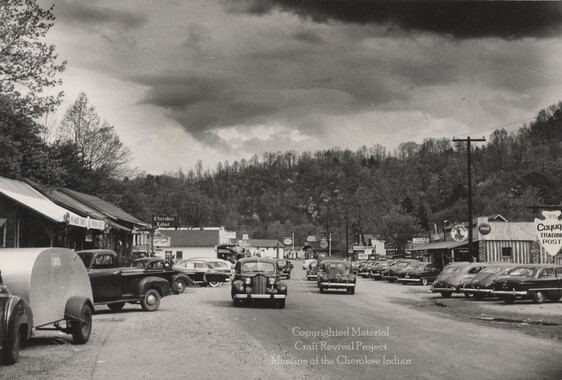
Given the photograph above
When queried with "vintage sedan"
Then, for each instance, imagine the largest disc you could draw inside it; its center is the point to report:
(481, 285)
(203, 272)
(156, 265)
(454, 276)
(336, 275)
(285, 266)
(391, 272)
(256, 279)
(534, 281)
(419, 273)
(306, 263)
(312, 272)
(378, 269)
(42, 289)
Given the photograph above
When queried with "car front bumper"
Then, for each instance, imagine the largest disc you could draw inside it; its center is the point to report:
(403, 279)
(309, 276)
(243, 296)
(470, 290)
(523, 293)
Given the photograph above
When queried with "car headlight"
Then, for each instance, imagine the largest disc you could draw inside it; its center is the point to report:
(248, 281)
(271, 281)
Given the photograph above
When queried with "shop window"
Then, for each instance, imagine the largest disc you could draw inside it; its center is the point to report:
(168, 255)
(179, 255)
(507, 252)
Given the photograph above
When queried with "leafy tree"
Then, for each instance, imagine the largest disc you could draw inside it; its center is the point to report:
(28, 66)
(100, 152)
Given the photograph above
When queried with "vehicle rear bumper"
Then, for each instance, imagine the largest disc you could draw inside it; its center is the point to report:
(336, 285)
(469, 290)
(438, 290)
(408, 279)
(259, 296)
(510, 293)
(311, 276)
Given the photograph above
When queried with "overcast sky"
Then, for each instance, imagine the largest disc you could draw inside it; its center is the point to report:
(218, 80)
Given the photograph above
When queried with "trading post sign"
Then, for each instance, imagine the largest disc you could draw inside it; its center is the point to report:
(549, 231)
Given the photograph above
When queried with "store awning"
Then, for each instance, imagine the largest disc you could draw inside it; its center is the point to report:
(439, 245)
(118, 226)
(2, 221)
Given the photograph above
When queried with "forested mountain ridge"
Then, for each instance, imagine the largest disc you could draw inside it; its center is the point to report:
(395, 196)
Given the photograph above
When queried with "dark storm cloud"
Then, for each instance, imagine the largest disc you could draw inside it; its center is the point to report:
(91, 15)
(461, 19)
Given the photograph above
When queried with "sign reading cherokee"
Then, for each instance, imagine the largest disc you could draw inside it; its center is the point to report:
(549, 231)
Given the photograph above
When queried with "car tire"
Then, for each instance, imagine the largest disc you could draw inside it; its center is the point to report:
(446, 294)
(538, 297)
(11, 350)
(321, 290)
(81, 329)
(351, 291)
(214, 284)
(116, 306)
(479, 296)
(151, 300)
(281, 304)
(391, 280)
(554, 298)
(508, 299)
(424, 281)
(237, 303)
(180, 286)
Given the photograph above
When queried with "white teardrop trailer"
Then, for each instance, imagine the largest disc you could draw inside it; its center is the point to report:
(43, 289)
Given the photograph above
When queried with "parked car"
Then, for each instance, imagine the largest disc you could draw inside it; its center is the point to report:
(163, 268)
(204, 272)
(306, 263)
(312, 272)
(39, 289)
(454, 276)
(391, 272)
(258, 278)
(114, 286)
(364, 270)
(378, 269)
(421, 273)
(285, 266)
(532, 281)
(481, 285)
(336, 275)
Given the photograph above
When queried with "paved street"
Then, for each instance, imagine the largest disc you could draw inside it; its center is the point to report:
(199, 334)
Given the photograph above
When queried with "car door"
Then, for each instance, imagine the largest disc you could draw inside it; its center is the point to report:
(548, 281)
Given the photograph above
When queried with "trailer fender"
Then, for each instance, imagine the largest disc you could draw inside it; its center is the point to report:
(74, 305)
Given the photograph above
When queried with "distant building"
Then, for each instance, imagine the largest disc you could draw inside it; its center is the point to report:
(265, 248)
(185, 243)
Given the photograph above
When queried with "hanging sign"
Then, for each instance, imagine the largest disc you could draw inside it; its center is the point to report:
(549, 231)
(459, 232)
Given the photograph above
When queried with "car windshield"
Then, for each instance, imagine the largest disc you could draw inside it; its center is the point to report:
(258, 267)
(341, 268)
(452, 270)
(491, 270)
(216, 264)
(402, 264)
(526, 272)
(282, 263)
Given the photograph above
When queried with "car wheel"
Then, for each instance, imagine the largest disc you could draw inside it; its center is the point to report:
(321, 290)
(538, 297)
(116, 306)
(11, 350)
(391, 280)
(288, 277)
(508, 299)
(554, 298)
(81, 329)
(151, 300)
(180, 286)
(281, 304)
(237, 303)
(467, 294)
(351, 291)
(446, 294)
(214, 284)
(424, 281)
(479, 296)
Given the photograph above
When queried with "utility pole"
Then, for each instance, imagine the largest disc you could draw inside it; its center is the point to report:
(469, 185)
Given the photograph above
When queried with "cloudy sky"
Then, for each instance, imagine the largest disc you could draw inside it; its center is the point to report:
(218, 80)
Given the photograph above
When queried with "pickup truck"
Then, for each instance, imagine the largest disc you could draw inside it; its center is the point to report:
(114, 286)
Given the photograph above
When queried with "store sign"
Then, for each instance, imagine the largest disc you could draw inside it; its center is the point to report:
(287, 241)
(549, 231)
(323, 243)
(484, 228)
(459, 233)
(160, 240)
(164, 221)
(311, 238)
(420, 240)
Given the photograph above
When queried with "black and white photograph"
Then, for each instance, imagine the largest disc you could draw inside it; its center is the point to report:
(280, 189)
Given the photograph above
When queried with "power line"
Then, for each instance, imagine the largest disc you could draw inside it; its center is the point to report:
(499, 126)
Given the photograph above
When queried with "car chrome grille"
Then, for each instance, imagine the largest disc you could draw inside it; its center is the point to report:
(259, 284)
